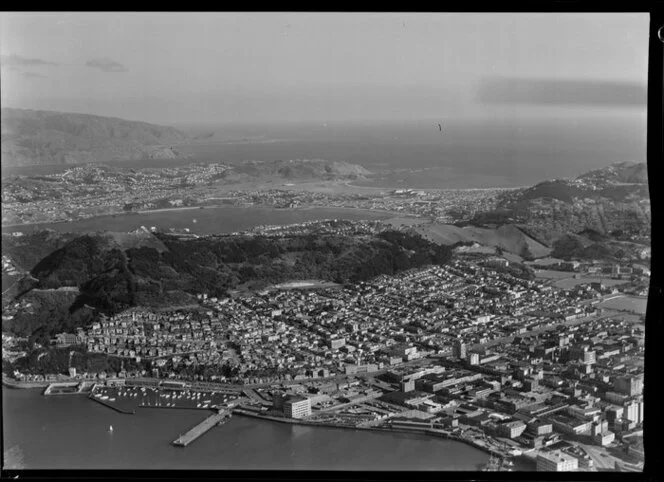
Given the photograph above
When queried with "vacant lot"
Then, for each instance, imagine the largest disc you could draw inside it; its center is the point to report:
(624, 302)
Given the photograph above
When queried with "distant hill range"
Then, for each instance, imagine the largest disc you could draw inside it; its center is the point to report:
(614, 199)
(299, 169)
(31, 137)
(602, 214)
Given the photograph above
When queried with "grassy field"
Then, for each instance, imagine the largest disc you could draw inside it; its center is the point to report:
(572, 282)
(507, 237)
(625, 302)
(566, 280)
(550, 274)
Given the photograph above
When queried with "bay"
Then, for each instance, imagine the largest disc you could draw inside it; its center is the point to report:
(71, 432)
(217, 220)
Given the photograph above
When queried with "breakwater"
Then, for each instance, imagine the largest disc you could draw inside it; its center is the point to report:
(113, 407)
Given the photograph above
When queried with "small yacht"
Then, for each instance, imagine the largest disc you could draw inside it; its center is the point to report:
(110, 428)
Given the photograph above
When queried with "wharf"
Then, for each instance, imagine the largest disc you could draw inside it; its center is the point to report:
(69, 388)
(195, 432)
(432, 432)
(11, 383)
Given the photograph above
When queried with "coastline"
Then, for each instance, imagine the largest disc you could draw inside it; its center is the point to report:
(145, 441)
(190, 208)
(434, 189)
(23, 385)
(251, 414)
(428, 432)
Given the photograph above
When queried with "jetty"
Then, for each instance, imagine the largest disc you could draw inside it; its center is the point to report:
(203, 427)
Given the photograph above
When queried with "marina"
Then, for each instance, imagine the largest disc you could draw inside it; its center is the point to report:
(126, 399)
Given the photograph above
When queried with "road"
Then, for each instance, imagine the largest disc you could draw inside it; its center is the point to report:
(600, 457)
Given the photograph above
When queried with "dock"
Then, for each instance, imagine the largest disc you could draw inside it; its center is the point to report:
(69, 388)
(195, 432)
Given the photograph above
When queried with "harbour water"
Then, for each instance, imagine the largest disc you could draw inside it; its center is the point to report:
(218, 220)
(72, 432)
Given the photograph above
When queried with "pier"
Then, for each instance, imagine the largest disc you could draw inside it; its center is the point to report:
(201, 428)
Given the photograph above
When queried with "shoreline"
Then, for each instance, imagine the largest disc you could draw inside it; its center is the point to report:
(428, 189)
(428, 432)
(248, 413)
(23, 385)
(15, 227)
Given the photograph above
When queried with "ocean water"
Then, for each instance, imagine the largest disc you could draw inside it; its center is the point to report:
(71, 432)
(494, 152)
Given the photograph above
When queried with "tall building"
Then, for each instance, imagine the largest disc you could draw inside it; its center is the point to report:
(556, 461)
(473, 358)
(511, 429)
(296, 406)
(583, 354)
(407, 385)
(459, 350)
(629, 385)
(634, 412)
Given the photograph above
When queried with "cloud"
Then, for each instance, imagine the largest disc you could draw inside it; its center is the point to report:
(599, 93)
(33, 75)
(107, 65)
(23, 61)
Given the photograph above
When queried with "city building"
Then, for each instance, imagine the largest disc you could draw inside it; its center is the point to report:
(511, 429)
(629, 385)
(459, 349)
(473, 358)
(66, 339)
(296, 406)
(556, 461)
(407, 385)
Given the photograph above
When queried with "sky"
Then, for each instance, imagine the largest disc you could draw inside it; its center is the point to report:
(180, 68)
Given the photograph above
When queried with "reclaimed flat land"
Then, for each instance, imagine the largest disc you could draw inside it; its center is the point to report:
(624, 302)
(570, 282)
(551, 274)
(405, 221)
(305, 284)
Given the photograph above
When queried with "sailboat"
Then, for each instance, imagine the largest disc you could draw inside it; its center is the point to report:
(110, 428)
